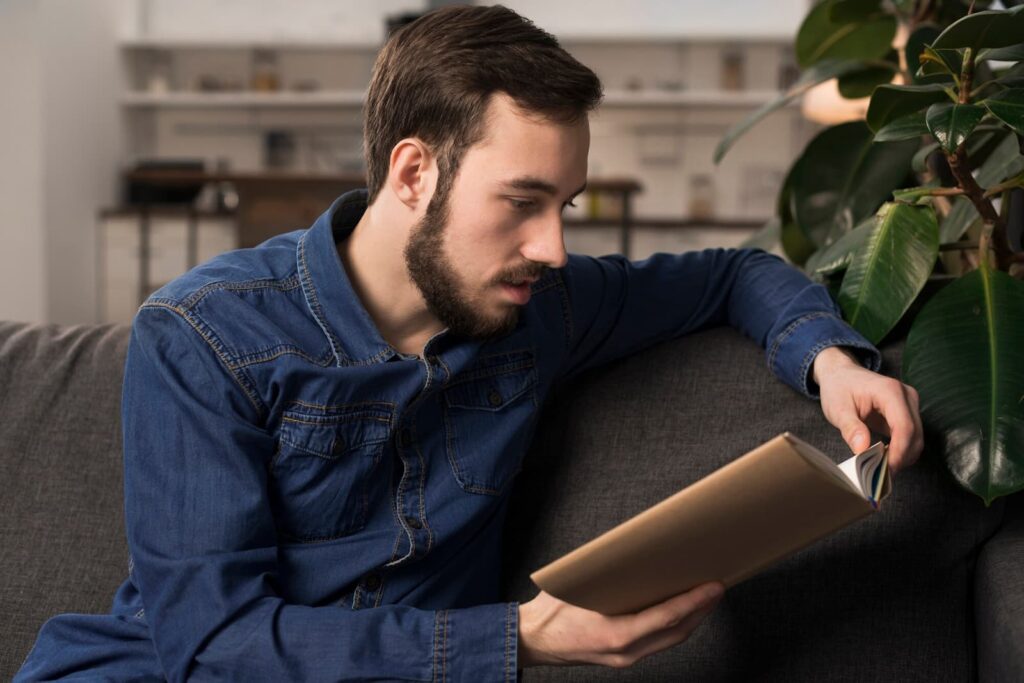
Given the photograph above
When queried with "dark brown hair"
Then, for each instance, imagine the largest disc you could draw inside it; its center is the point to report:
(434, 78)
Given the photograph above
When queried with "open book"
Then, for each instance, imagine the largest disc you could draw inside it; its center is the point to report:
(762, 507)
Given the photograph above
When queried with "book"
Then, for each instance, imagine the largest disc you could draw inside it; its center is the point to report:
(760, 508)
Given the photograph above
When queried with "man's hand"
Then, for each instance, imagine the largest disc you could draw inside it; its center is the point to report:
(857, 401)
(553, 632)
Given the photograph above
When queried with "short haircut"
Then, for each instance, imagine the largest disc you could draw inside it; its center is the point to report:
(434, 78)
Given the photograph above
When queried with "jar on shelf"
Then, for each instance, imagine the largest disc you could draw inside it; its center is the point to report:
(265, 77)
(702, 197)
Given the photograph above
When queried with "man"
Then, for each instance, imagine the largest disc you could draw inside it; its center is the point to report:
(321, 433)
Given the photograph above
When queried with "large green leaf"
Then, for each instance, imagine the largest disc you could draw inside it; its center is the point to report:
(838, 255)
(890, 102)
(890, 268)
(1013, 53)
(863, 82)
(993, 28)
(909, 126)
(844, 11)
(940, 62)
(1004, 161)
(851, 37)
(922, 36)
(963, 355)
(1008, 107)
(795, 244)
(950, 123)
(842, 178)
(808, 79)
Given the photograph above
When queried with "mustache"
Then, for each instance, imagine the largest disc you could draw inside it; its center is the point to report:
(528, 271)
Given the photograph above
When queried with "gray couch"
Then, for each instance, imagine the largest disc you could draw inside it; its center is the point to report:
(929, 589)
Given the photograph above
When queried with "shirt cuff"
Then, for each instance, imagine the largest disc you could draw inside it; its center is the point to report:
(792, 353)
(477, 643)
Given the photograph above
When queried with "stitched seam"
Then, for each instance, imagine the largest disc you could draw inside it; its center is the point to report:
(218, 348)
(287, 350)
(437, 642)
(313, 302)
(781, 337)
(286, 285)
(508, 618)
(505, 369)
(335, 420)
(444, 649)
(422, 496)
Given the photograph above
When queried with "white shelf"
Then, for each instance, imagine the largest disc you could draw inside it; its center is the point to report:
(341, 43)
(688, 98)
(225, 100)
(297, 44)
(355, 98)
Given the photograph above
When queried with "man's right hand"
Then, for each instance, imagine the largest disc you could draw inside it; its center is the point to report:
(553, 632)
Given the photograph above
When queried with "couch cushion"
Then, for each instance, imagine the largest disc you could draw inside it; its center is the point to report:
(888, 598)
(61, 503)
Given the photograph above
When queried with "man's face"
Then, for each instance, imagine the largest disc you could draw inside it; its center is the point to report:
(475, 252)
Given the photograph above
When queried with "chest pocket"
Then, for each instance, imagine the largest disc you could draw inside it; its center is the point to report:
(489, 414)
(324, 471)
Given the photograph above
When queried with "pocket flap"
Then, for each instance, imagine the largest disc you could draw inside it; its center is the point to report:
(492, 392)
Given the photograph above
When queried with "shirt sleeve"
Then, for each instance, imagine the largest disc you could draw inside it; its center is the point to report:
(203, 541)
(618, 307)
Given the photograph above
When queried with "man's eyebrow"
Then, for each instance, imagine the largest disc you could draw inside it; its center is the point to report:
(532, 183)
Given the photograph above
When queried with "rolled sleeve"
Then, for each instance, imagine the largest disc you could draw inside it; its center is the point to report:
(477, 643)
(792, 352)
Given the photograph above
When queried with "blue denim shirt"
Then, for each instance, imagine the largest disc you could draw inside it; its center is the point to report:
(304, 502)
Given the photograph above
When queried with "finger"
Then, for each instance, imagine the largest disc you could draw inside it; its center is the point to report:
(656, 642)
(901, 425)
(855, 433)
(674, 611)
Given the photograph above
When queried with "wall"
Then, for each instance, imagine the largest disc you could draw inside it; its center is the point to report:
(81, 146)
(22, 281)
(59, 133)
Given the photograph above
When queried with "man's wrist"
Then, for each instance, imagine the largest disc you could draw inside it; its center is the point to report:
(830, 358)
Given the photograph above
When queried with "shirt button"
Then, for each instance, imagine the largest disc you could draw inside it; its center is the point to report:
(372, 582)
(494, 398)
(414, 523)
(404, 438)
(339, 446)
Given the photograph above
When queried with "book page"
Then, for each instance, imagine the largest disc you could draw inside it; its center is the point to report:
(867, 471)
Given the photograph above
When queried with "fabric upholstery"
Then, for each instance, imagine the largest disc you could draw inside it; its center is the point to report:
(889, 598)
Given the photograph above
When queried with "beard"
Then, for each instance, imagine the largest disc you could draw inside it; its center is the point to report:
(438, 281)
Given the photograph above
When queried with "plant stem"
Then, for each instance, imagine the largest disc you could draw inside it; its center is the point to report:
(966, 76)
(994, 226)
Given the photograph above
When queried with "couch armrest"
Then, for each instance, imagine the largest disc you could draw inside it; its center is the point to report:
(999, 599)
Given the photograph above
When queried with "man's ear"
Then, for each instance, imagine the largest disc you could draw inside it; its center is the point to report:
(412, 174)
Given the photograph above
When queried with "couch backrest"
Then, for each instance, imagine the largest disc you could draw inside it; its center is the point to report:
(888, 598)
(61, 500)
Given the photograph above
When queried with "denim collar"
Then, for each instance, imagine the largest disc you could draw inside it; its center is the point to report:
(332, 300)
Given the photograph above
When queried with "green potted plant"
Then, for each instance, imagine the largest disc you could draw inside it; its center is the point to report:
(924, 191)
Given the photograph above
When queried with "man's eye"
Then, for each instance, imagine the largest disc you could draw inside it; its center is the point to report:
(521, 204)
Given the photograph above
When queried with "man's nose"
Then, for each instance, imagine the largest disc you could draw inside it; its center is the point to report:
(547, 243)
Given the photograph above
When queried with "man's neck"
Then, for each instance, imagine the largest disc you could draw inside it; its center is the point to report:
(373, 259)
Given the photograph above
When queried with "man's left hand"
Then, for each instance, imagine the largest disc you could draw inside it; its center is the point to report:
(858, 401)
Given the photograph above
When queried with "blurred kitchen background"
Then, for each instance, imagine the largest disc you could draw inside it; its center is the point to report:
(140, 137)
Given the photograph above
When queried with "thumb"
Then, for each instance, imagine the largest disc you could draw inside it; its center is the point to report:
(856, 434)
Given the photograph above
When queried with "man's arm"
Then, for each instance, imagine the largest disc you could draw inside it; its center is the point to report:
(617, 307)
(204, 547)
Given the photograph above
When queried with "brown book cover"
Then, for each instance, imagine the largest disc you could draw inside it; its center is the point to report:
(762, 507)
